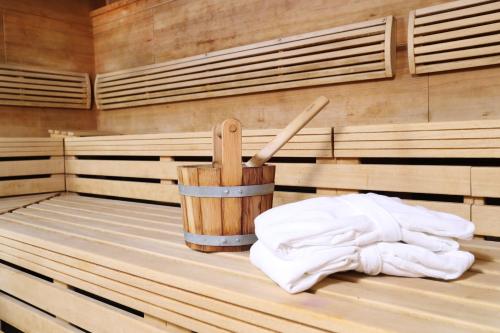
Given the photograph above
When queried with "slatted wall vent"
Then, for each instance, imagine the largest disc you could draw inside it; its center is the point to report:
(360, 51)
(454, 35)
(39, 87)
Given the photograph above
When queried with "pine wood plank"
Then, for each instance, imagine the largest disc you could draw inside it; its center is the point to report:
(67, 304)
(10, 203)
(397, 178)
(337, 301)
(32, 167)
(37, 185)
(28, 318)
(485, 181)
(486, 219)
(69, 264)
(485, 250)
(124, 294)
(425, 126)
(129, 189)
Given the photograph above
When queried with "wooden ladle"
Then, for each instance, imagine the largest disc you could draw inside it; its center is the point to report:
(290, 130)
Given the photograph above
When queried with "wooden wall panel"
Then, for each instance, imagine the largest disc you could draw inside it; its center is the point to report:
(46, 42)
(126, 39)
(465, 95)
(51, 33)
(208, 25)
(183, 28)
(382, 101)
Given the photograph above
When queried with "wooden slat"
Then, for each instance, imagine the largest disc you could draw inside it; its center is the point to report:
(30, 319)
(398, 312)
(485, 250)
(68, 304)
(397, 178)
(439, 125)
(485, 182)
(358, 52)
(448, 139)
(29, 86)
(473, 26)
(160, 306)
(36, 185)
(32, 167)
(138, 169)
(486, 219)
(18, 147)
(10, 203)
(129, 189)
(280, 44)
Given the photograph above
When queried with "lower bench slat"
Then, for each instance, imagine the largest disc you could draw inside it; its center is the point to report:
(69, 305)
(29, 319)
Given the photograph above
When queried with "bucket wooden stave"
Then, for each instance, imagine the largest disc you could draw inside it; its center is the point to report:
(222, 216)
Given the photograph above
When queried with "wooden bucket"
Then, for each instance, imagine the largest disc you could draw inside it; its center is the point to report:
(220, 201)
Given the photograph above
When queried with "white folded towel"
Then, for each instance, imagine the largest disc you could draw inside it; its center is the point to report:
(312, 264)
(357, 220)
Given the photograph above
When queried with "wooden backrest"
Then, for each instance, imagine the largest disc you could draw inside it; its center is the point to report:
(457, 160)
(31, 165)
(451, 167)
(64, 133)
(144, 166)
(453, 35)
(354, 52)
(459, 139)
(33, 86)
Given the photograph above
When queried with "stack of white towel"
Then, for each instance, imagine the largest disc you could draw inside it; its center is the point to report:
(303, 242)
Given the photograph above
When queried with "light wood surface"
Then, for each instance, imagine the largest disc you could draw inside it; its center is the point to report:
(31, 165)
(440, 140)
(42, 87)
(51, 35)
(28, 318)
(11, 203)
(360, 51)
(307, 143)
(437, 183)
(454, 36)
(81, 242)
(152, 36)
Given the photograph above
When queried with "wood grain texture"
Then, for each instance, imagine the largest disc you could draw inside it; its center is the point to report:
(28, 318)
(465, 95)
(454, 36)
(180, 30)
(52, 34)
(149, 268)
(403, 99)
(355, 52)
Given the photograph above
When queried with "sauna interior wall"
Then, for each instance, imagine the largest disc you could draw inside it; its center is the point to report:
(129, 34)
(50, 33)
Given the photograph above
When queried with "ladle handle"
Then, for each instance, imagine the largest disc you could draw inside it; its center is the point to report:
(290, 130)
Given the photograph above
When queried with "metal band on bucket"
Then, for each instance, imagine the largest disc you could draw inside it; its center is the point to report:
(233, 240)
(226, 191)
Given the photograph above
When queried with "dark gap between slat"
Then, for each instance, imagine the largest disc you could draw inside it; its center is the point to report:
(125, 199)
(107, 301)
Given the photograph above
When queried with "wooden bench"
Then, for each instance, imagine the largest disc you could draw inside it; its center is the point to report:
(360, 51)
(126, 264)
(41, 87)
